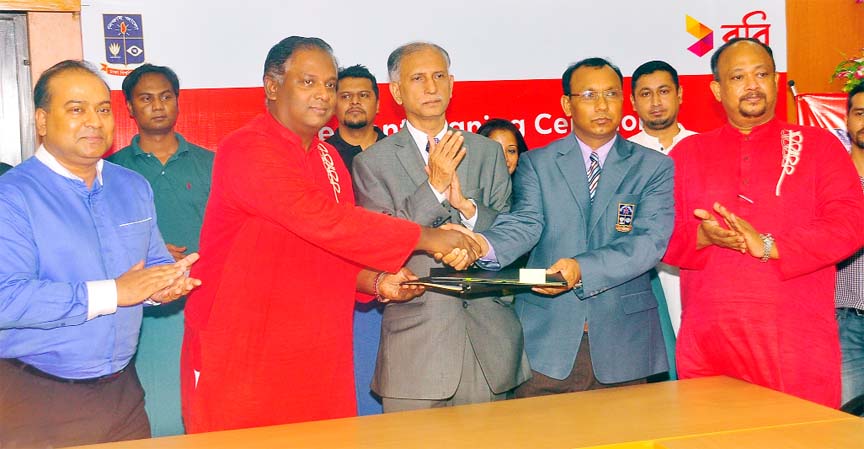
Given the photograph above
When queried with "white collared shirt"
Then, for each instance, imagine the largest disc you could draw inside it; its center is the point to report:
(51, 162)
(422, 139)
(652, 142)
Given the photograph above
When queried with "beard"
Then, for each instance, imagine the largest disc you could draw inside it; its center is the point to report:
(356, 124)
(858, 139)
(753, 113)
(659, 124)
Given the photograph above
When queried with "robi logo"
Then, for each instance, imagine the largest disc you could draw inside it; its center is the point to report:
(705, 35)
(747, 28)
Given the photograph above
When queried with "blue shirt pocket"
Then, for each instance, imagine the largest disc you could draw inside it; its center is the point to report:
(135, 237)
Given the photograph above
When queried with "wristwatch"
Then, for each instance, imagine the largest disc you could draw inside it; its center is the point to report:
(767, 245)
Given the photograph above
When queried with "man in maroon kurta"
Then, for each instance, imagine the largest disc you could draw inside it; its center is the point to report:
(268, 339)
(758, 305)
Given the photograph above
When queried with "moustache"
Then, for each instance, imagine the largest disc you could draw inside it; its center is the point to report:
(753, 96)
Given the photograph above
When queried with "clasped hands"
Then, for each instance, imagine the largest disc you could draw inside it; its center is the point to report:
(738, 235)
(160, 283)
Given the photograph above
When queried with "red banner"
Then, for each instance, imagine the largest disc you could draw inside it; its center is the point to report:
(825, 111)
(207, 115)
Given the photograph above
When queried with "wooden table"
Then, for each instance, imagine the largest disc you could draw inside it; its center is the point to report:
(842, 434)
(682, 414)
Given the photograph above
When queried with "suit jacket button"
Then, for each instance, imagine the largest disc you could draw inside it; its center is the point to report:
(437, 222)
(464, 304)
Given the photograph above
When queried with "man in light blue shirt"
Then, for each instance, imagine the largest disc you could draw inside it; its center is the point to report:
(79, 253)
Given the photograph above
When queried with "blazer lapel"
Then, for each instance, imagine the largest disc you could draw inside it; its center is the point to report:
(409, 156)
(615, 168)
(573, 170)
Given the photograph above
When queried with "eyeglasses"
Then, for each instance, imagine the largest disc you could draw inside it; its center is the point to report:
(590, 96)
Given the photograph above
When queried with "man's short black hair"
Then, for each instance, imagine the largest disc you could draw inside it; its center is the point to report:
(42, 93)
(274, 65)
(651, 67)
(134, 77)
(589, 62)
(859, 89)
(359, 71)
(715, 58)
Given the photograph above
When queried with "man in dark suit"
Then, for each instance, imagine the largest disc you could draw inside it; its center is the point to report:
(438, 350)
(599, 210)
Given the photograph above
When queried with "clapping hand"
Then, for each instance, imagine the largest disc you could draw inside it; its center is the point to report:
(710, 232)
(182, 285)
(177, 252)
(444, 157)
(753, 243)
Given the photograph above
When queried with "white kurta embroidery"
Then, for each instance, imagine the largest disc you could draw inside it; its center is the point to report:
(327, 160)
(792, 143)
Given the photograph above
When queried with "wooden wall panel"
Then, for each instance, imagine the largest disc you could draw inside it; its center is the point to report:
(54, 36)
(820, 33)
(41, 5)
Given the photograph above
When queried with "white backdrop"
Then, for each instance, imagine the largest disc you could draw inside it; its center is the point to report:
(223, 44)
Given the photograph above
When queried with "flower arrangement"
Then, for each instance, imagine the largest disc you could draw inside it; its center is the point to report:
(851, 71)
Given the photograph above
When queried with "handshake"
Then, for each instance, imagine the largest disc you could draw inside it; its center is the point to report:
(453, 244)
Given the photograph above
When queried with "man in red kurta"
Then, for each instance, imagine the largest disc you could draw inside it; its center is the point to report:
(764, 210)
(268, 339)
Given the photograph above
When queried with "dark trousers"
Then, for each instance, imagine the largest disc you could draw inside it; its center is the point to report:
(581, 378)
(37, 412)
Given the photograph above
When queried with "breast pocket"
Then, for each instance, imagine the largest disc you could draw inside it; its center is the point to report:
(135, 237)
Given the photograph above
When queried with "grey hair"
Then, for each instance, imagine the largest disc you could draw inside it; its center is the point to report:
(394, 62)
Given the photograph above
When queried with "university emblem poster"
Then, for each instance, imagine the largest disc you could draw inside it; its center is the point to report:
(124, 43)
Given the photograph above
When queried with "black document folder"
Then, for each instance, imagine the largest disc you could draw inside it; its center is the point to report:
(476, 280)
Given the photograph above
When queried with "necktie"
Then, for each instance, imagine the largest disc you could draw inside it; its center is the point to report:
(427, 143)
(593, 174)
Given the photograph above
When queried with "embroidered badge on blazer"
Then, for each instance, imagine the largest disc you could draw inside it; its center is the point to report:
(624, 223)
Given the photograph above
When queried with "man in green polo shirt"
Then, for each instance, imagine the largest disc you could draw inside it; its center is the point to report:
(179, 173)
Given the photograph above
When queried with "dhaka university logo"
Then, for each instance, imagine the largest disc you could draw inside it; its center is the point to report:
(124, 39)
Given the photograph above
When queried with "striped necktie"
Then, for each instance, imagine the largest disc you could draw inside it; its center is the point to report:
(593, 174)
